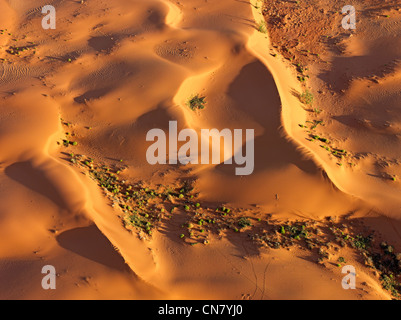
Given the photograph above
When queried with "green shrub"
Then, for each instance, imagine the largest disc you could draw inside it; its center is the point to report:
(307, 97)
(197, 102)
(261, 26)
(244, 222)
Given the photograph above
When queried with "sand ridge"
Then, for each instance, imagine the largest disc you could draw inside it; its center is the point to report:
(350, 79)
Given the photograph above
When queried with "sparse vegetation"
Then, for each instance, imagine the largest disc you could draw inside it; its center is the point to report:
(261, 26)
(307, 98)
(244, 222)
(144, 210)
(197, 103)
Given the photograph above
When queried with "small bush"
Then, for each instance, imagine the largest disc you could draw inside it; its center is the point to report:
(262, 27)
(197, 102)
(244, 222)
(307, 97)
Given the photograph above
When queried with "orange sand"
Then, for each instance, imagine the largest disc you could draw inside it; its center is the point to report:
(133, 66)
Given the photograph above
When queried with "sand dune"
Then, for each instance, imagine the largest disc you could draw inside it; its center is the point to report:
(111, 72)
(351, 83)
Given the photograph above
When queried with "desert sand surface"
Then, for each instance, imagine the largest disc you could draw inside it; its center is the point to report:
(77, 192)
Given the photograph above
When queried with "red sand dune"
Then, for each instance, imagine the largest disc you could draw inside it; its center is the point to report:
(122, 68)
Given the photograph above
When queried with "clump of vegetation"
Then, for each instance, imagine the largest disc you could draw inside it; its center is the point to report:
(298, 231)
(261, 26)
(310, 129)
(341, 260)
(16, 51)
(302, 77)
(197, 103)
(389, 283)
(244, 222)
(317, 111)
(316, 123)
(361, 242)
(307, 98)
(225, 210)
(143, 207)
(323, 254)
(256, 5)
(316, 137)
